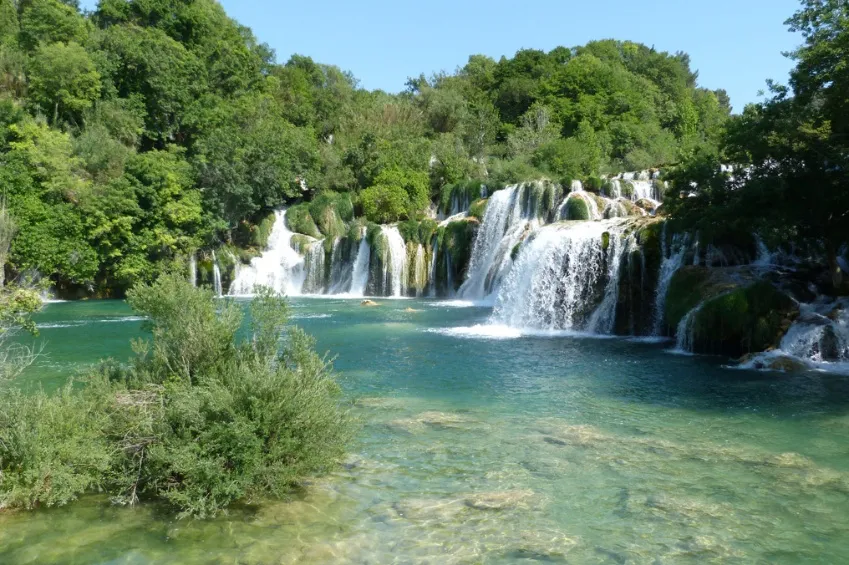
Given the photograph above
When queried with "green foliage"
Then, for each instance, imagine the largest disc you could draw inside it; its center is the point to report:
(50, 21)
(201, 419)
(299, 220)
(397, 193)
(52, 448)
(577, 209)
(478, 208)
(138, 88)
(63, 81)
(330, 211)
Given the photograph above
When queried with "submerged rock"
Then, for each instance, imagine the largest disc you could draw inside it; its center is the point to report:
(433, 419)
(369, 303)
(498, 500)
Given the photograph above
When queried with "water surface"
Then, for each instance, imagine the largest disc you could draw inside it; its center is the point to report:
(493, 447)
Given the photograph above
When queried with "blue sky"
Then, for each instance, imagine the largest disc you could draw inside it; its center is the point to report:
(734, 44)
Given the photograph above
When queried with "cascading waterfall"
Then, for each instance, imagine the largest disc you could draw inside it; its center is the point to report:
(685, 335)
(193, 270)
(819, 338)
(643, 185)
(673, 259)
(394, 262)
(280, 267)
(433, 264)
(216, 276)
(589, 201)
(563, 271)
(420, 270)
(359, 274)
(340, 269)
(314, 269)
(604, 318)
(765, 257)
(506, 221)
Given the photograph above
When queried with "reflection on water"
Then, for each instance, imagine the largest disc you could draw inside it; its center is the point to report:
(479, 450)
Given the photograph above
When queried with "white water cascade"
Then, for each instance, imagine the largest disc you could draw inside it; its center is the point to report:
(359, 274)
(216, 276)
(280, 267)
(503, 227)
(561, 274)
(314, 268)
(673, 259)
(420, 271)
(193, 269)
(394, 262)
(819, 338)
(685, 339)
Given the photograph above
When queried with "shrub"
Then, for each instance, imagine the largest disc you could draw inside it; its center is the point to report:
(52, 449)
(200, 419)
(384, 203)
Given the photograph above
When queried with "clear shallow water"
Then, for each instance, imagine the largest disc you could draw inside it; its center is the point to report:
(499, 449)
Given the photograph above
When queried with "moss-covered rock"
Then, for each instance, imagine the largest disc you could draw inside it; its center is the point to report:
(647, 205)
(301, 243)
(745, 320)
(299, 220)
(576, 209)
(262, 231)
(478, 208)
(593, 184)
(692, 285)
(330, 211)
(414, 231)
(459, 196)
(454, 250)
(638, 279)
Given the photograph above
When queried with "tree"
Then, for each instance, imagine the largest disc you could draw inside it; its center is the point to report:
(63, 81)
(50, 21)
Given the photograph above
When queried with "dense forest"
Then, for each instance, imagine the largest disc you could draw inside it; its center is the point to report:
(135, 135)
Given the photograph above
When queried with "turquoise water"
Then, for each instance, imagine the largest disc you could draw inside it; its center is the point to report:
(515, 450)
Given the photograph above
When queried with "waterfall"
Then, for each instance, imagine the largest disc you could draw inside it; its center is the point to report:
(434, 252)
(503, 226)
(589, 201)
(359, 274)
(603, 319)
(340, 268)
(765, 256)
(280, 267)
(394, 262)
(216, 276)
(561, 274)
(193, 270)
(685, 335)
(673, 259)
(420, 270)
(314, 274)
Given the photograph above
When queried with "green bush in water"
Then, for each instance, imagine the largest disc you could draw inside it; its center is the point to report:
(299, 220)
(52, 447)
(200, 419)
(577, 209)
